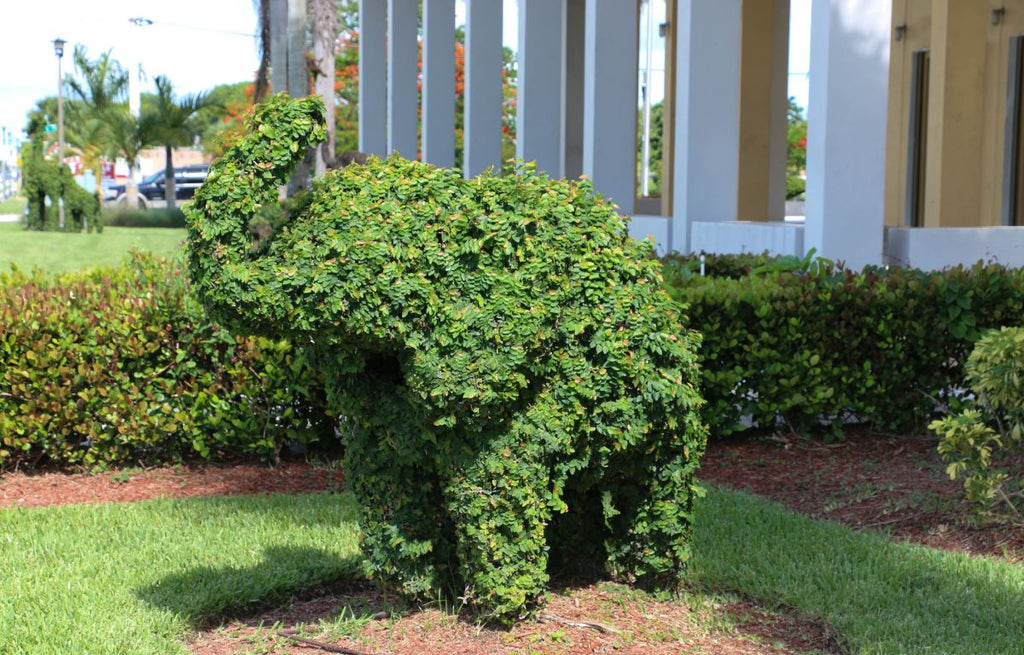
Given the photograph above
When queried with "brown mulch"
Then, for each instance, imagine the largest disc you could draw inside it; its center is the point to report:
(888, 483)
(892, 484)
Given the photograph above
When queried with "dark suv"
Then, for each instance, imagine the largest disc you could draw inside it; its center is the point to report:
(153, 192)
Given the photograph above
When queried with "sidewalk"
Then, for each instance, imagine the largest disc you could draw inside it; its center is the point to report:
(10, 218)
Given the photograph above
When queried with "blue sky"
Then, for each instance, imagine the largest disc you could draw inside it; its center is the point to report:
(196, 43)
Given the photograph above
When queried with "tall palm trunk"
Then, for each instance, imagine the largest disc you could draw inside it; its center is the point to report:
(325, 34)
(262, 87)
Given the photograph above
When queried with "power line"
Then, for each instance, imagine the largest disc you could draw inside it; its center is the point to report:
(141, 21)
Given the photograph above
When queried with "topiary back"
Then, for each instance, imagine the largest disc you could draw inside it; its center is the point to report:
(514, 383)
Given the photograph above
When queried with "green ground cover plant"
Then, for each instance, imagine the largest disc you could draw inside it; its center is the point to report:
(516, 383)
(984, 443)
(64, 252)
(137, 577)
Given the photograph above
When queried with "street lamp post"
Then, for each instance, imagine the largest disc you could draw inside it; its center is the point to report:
(58, 48)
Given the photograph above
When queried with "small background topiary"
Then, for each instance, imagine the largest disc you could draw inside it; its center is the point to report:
(517, 390)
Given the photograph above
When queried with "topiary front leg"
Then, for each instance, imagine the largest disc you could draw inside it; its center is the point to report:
(407, 539)
(501, 504)
(650, 519)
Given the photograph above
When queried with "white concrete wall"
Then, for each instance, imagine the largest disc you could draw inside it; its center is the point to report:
(655, 227)
(936, 248)
(737, 237)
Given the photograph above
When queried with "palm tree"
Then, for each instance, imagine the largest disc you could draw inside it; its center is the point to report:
(262, 89)
(127, 136)
(277, 35)
(172, 125)
(97, 86)
(325, 35)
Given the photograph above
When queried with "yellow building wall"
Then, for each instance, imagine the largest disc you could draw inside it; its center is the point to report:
(912, 25)
(969, 50)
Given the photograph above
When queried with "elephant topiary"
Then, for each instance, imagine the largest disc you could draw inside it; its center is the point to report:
(517, 392)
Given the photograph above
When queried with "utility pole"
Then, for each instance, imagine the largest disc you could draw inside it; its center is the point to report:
(58, 47)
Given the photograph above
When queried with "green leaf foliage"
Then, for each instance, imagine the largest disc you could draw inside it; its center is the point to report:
(121, 366)
(983, 444)
(802, 343)
(517, 390)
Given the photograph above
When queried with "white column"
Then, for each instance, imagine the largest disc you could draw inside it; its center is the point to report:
(402, 74)
(609, 100)
(481, 143)
(707, 116)
(779, 131)
(575, 49)
(439, 82)
(541, 92)
(846, 129)
(372, 76)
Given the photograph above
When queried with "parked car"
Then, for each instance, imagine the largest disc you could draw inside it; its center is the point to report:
(153, 192)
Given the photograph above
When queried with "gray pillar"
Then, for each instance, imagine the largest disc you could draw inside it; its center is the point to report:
(482, 129)
(402, 74)
(541, 92)
(373, 76)
(778, 137)
(846, 127)
(439, 82)
(278, 45)
(707, 116)
(609, 114)
(575, 38)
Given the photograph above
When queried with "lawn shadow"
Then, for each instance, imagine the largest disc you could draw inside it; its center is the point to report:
(204, 596)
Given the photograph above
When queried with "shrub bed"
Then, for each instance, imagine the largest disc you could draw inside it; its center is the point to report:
(801, 342)
(120, 366)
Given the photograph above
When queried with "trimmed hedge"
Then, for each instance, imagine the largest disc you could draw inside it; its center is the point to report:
(121, 366)
(801, 342)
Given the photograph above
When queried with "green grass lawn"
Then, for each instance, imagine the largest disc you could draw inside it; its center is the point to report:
(13, 205)
(136, 578)
(883, 598)
(60, 252)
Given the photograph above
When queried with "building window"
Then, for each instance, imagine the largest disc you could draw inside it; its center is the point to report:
(917, 150)
(1013, 158)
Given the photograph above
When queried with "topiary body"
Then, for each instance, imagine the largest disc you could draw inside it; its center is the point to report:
(515, 385)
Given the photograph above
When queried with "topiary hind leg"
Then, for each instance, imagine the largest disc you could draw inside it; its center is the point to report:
(499, 502)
